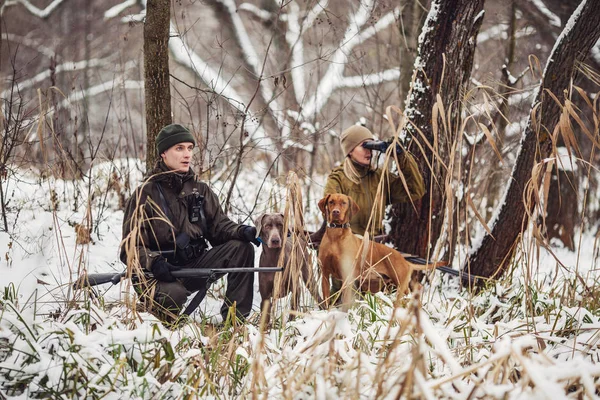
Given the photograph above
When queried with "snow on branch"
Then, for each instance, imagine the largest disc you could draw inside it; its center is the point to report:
(552, 18)
(254, 62)
(293, 37)
(379, 26)
(182, 54)
(185, 56)
(66, 67)
(38, 12)
(79, 95)
(369, 79)
(352, 38)
(242, 36)
(118, 9)
(261, 14)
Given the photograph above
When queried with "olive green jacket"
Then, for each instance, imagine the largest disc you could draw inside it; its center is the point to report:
(151, 225)
(364, 192)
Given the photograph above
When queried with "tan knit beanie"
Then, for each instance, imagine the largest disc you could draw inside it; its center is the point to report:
(352, 136)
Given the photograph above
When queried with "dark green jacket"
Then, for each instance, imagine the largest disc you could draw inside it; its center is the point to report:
(146, 231)
(364, 192)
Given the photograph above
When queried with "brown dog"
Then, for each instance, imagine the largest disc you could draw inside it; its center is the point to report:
(343, 256)
(270, 230)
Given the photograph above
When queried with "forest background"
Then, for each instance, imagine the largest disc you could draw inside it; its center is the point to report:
(499, 100)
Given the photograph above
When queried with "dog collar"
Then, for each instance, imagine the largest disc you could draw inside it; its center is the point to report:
(333, 225)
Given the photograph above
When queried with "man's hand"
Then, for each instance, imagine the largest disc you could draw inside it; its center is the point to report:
(161, 270)
(249, 235)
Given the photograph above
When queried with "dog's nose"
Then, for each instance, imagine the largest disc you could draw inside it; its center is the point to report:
(335, 212)
(275, 241)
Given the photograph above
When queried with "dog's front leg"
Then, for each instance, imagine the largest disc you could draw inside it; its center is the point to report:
(326, 288)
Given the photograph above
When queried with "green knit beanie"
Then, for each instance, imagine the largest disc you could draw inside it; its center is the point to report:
(171, 135)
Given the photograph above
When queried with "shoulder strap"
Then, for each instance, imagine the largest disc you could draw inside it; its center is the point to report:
(163, 203)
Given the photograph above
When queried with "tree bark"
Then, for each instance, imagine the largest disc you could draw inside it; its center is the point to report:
(409, 25)
(580, 34)
(443, 67)
(562, 214)
(156, 73)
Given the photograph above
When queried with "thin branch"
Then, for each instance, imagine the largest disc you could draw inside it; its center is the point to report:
(38, 12)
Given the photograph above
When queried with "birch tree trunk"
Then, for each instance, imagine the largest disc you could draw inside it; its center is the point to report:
(579, 35)
(443, 67)
(156, 73)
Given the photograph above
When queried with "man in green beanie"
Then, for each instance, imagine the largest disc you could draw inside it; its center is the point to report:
(169, 222)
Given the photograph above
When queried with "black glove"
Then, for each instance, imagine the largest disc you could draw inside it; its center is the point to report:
(161, 270)
(249, 235)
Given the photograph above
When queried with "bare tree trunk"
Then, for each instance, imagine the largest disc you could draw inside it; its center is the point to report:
(580, 34)
(409, 24)
(156, 73)
(562, 214)
(443, 67)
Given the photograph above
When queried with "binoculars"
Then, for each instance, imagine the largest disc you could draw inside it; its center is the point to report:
(380, 145)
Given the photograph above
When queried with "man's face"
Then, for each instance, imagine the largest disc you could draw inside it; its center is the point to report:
(178, 157)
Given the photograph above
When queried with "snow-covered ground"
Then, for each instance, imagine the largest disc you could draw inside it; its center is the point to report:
(533, 334)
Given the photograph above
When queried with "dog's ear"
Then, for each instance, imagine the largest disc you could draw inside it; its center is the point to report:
(258, 224)
(323, 203)
(354, 208)
(289, 231)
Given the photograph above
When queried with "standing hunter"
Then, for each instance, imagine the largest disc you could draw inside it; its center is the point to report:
(169, 220)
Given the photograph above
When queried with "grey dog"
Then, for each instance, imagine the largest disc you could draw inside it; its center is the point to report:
(270, 230)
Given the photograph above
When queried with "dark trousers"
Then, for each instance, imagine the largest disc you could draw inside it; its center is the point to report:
(171, 296)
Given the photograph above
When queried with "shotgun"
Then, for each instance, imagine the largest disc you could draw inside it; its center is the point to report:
(89, 280)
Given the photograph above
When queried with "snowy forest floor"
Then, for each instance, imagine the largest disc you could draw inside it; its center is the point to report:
(532, 334)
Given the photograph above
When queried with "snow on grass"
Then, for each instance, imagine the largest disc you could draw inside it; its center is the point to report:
(533, 335)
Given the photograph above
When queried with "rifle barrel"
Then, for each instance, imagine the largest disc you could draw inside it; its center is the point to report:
(199, 272)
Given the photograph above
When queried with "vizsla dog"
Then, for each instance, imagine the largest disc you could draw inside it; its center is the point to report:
(270, 230)
(375, 265)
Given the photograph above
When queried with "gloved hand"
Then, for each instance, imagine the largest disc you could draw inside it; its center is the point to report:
(161, 270)
(249, 235)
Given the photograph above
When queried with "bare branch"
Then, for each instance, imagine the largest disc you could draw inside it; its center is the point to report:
(369, 79)
(118, 9)
(38, 12)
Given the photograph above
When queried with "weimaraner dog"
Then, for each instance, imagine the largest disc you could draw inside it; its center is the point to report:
(270, 230)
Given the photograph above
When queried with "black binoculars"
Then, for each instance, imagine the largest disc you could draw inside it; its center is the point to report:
(380, 145)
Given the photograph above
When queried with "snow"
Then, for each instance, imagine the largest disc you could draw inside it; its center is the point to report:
(43, 258)
(553, 19)
(523, 337)
(38, 12)
(353, 36)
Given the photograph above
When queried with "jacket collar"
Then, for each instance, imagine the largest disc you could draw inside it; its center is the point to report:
(169, 178)
(362, 170)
